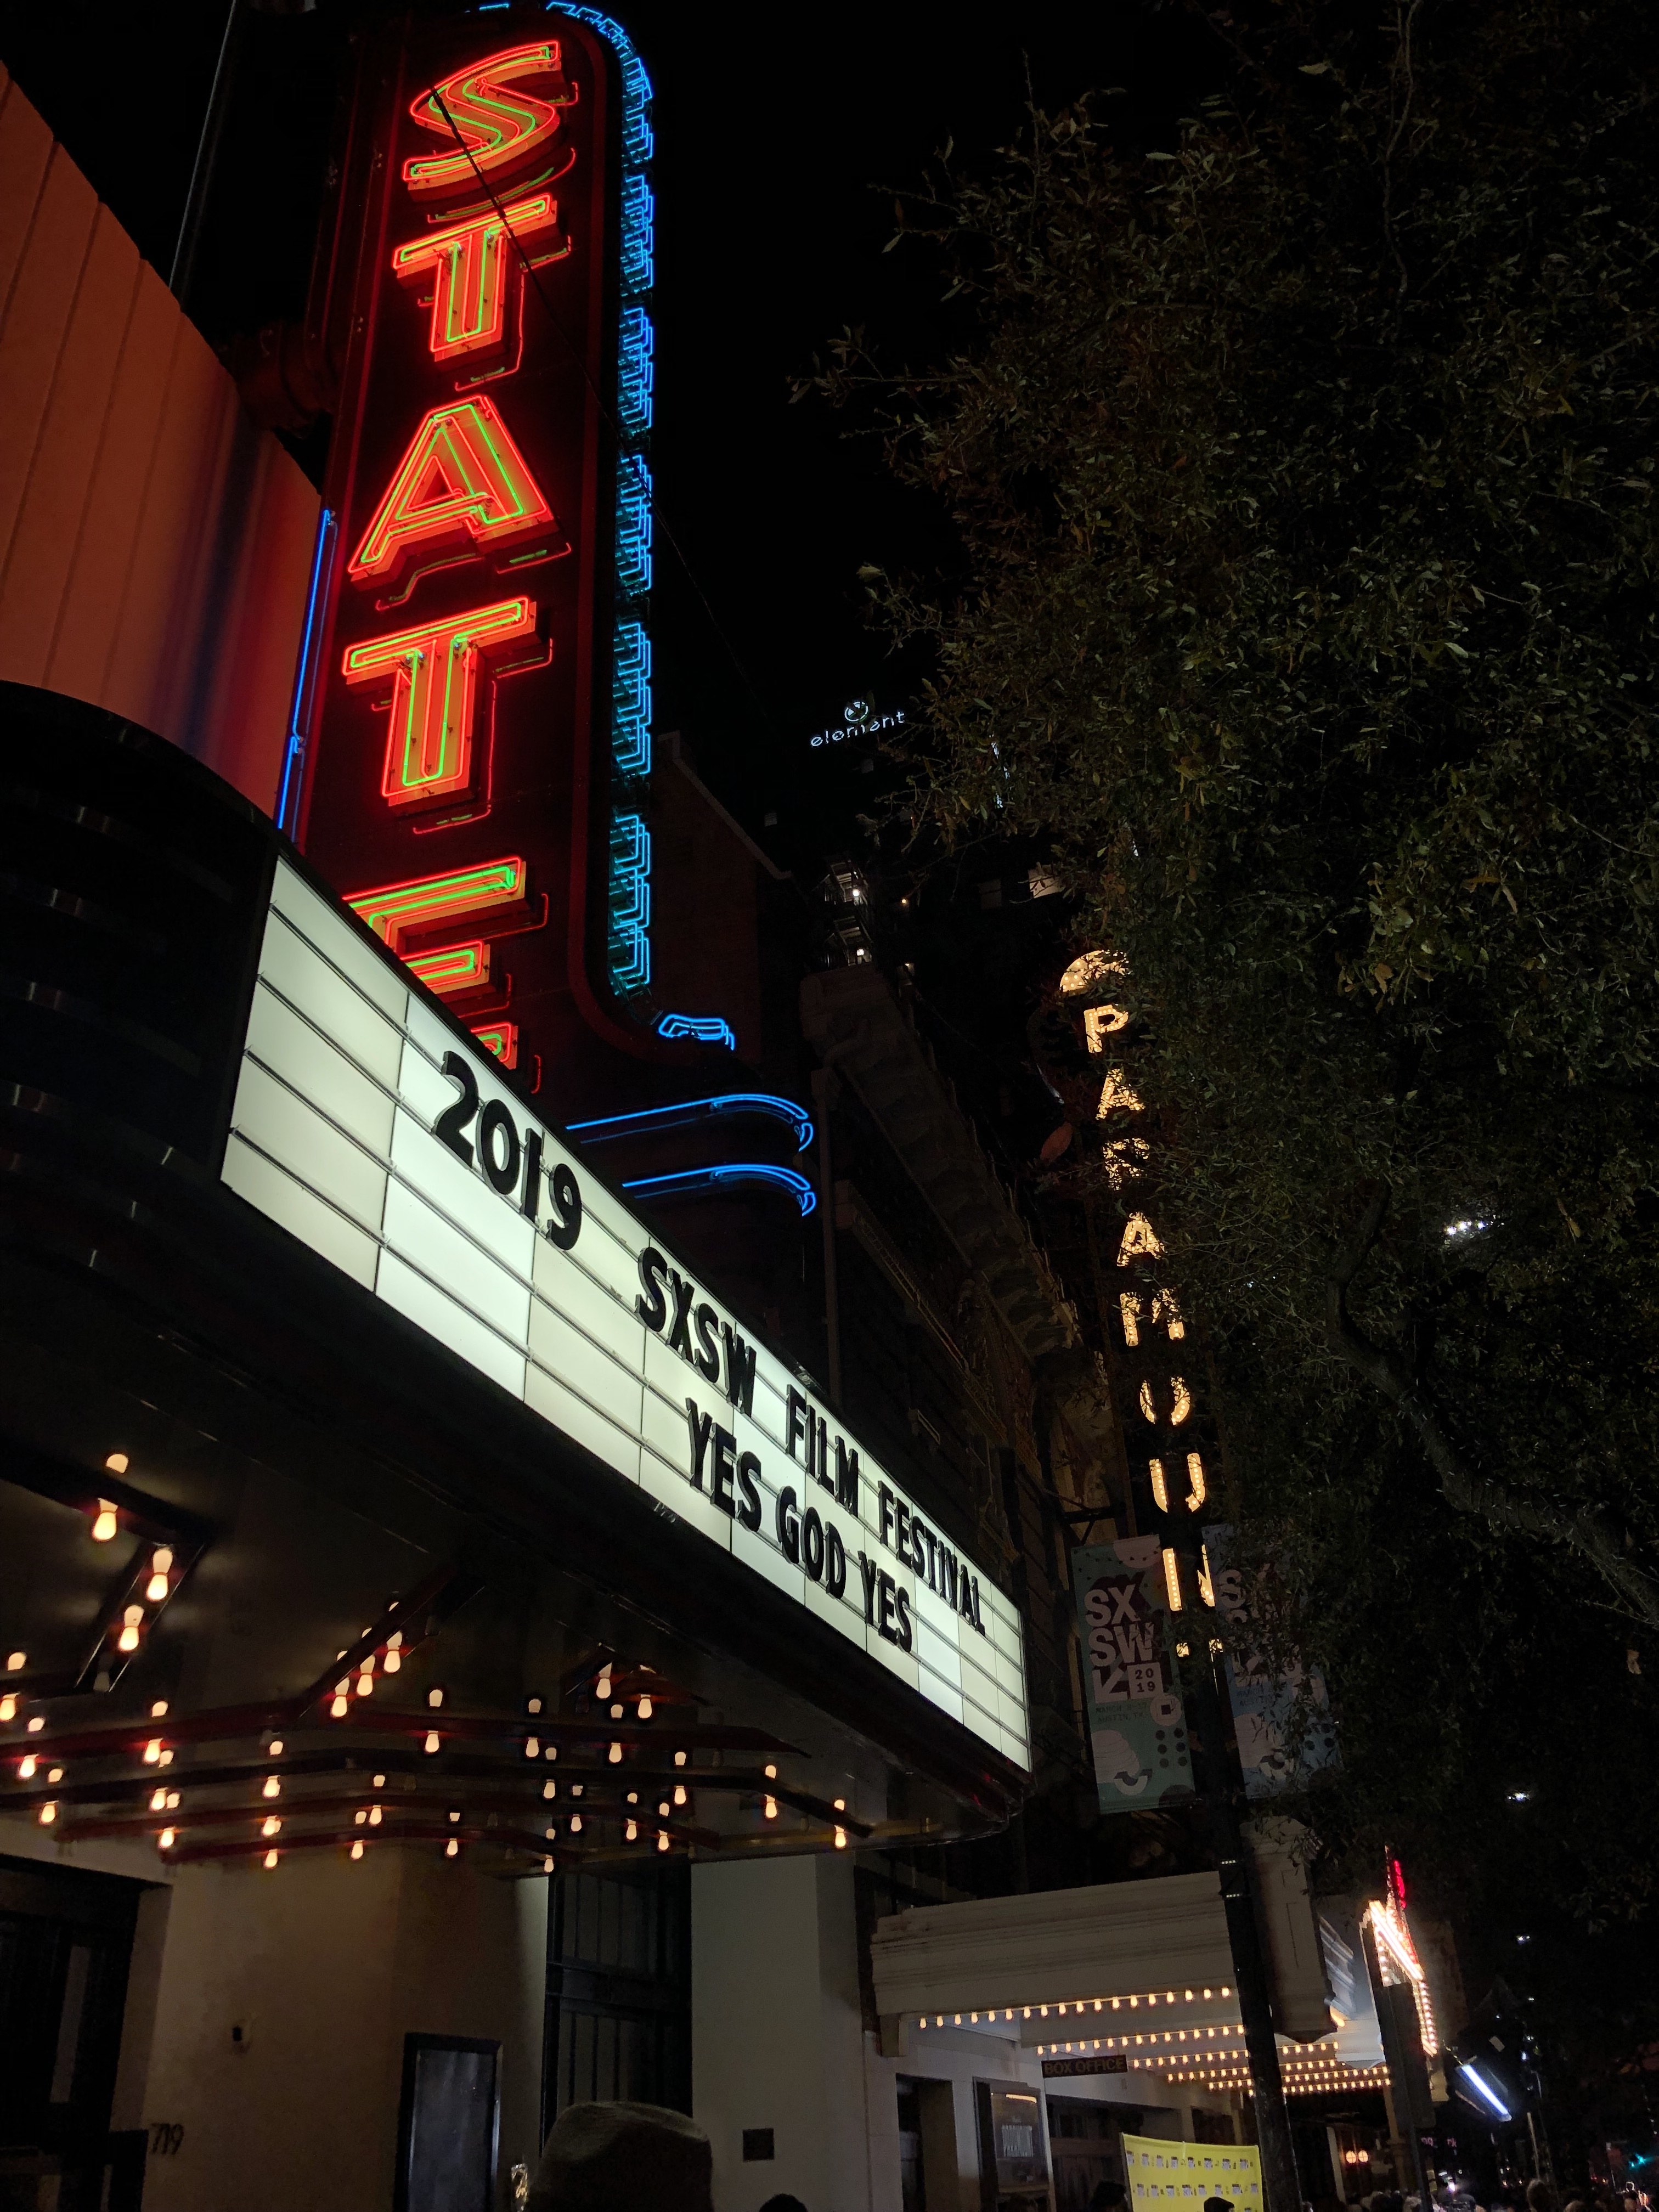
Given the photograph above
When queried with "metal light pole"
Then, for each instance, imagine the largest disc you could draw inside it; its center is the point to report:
(1206, 1707)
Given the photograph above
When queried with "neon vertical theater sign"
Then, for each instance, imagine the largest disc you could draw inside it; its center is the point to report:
(471, 733)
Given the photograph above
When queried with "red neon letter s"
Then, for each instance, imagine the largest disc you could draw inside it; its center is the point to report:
(434, 671)
(462, 476)
(497, 128)
(471, 266)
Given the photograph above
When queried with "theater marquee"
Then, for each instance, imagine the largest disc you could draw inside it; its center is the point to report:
(377, 1133)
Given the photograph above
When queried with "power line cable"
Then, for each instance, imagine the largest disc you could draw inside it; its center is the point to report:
(659, 515)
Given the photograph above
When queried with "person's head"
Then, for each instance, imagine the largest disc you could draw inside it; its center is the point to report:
(1541, 2198)
(1218, 2204)
(1108, 2196)
(783, 2202)
(623, 2158)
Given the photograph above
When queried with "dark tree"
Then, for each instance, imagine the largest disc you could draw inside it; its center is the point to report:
(1303, 477)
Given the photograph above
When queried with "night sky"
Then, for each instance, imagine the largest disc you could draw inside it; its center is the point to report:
(775, 127)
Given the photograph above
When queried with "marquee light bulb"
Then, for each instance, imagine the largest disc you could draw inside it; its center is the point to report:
(771, 1809)
(615, 1754)
(679, 1793)
(271, 1826)
(273, 1787)
(7, 1707)
(172, 1801)
(37, 1724)
(547, 1866)
(452, 1848)
(156, 1588)
(158, 1711)
(167, 1839)
(339, 1707)
(134, 1616)
(432, 1739)
(550, 1789)
(393, 1662)
(48, 1813)
(380, 1782)
(357, 1851)
(840, 1839)
(662, 1842)
(645, 1709)
(434, 1698)
(158, 1801)
(602, 1687)
(375, 1816)
(55, 1775)
(166, 1759)
(680, 1758)
(576, 1824)
(360, 1815)
(276, 1747)
(630, 1834)
(532, 1748)
(128, 1639)
(25, 1766)
(365, 1685)
(15, 1661)
(105, 1525)
(771, 1773)
(271, 1859)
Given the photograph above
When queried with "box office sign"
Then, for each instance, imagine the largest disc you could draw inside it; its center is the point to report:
(1137, 1726)
(365, 1125)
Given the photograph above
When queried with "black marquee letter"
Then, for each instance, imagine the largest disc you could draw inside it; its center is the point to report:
(749, 1504)
(834, 1561)
(450, 1125)
(811, 1544)
(651, 1306)
(565, 1226)
(788, 1526)
(708, 1357)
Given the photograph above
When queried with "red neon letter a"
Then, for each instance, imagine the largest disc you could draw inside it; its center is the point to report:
(434, 672)
(462, 476)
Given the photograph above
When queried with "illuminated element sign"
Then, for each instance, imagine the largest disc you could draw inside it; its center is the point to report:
(1137, 1724)
(859, 719)
(367, 1127)
(479, 668)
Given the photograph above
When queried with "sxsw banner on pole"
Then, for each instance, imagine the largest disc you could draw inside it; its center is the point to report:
(1137, 1724)
(1283, 1722)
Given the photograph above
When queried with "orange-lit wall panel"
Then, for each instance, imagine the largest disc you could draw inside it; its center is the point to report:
(154, 546)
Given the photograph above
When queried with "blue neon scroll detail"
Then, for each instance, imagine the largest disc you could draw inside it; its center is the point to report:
(627, 938)
(304, 675)
(630, 701)
(707, 1029)
(630, 902)
(730, 1171)
(687, 1110)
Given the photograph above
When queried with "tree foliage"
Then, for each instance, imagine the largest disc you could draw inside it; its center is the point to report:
(1305, 480)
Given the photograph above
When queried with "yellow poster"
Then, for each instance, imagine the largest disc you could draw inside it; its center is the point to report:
(1162, 2174)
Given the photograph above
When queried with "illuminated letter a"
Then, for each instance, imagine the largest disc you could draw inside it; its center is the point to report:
(463, 477)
